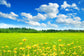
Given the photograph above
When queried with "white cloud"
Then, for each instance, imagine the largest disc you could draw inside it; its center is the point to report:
(77, 18)
(44, 25)
(3, 25)
(33, 23)
(52, 25)
(12, 15)
(51, 10)
(65, 5)
(64, 19)
(34, 18)
(68, 7)
(74, 6)
(4, 2)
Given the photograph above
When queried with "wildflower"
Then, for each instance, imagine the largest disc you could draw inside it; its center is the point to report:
(15, 49)
(54, 54)
(23, 55)
(72, 43)
(2, 47)
(34, 50)
(79, 46)
(21, 48)
(43, 47)
(46, 43)
(28, 47)
(74, 47)
(61, 45)
(59, 40)
(43, 54)
(28, 55)
(54, 46)
(20, 43)
(68, 44)
(48, 48)
(54, 49)
(83, 52)
(9, 51)
(15, 52)
(34, 46)
(62, 52)
(74, 53)
(24, 39)
(6, 46)
(4, 51)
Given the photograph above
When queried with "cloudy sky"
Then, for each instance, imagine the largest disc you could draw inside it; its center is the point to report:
(42, 14)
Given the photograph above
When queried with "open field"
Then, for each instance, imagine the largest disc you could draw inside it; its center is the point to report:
(41, 44)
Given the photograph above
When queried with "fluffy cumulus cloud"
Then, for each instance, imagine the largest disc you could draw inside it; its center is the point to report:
(4, 2)
(33, 23)
(67, 6)
(11, 15)
(51, 10)
(34, 18)
(67, 20)
(52, 25)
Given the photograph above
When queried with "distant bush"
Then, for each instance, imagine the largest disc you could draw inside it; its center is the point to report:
(29, 30)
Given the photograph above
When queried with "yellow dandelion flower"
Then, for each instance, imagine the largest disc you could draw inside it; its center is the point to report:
(61, 45)
(68, 44)
(54, 54)
(74, 47)
(20, 43)
(46, 43)
(54, 49)
(34, 50)
(23, 55)
(72, 43)
(79, 46)
(74, 53)
(28, 55)
(4, 51)
(6, 46)
(48, 48)
(83, 52)
(43, 54)
(59, 40)
(2, 47)
(15, 49)
(28, 47)
(15, 52)
(62, 52)
(24, 39)
(54, 46)
(21, 48)
(43, 47)
(9, 51)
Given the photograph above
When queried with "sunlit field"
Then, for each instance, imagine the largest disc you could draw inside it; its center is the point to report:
(41, 44)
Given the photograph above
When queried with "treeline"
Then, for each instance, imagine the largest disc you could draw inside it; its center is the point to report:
(29, 30)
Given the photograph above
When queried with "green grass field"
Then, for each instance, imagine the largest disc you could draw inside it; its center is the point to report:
(41, 44)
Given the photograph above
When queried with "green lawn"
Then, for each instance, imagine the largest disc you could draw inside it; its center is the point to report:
(13, 39)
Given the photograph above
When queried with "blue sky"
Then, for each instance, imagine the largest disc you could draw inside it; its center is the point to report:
(41, 14)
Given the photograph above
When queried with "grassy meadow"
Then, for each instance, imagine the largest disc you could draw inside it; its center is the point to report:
(41, 44)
